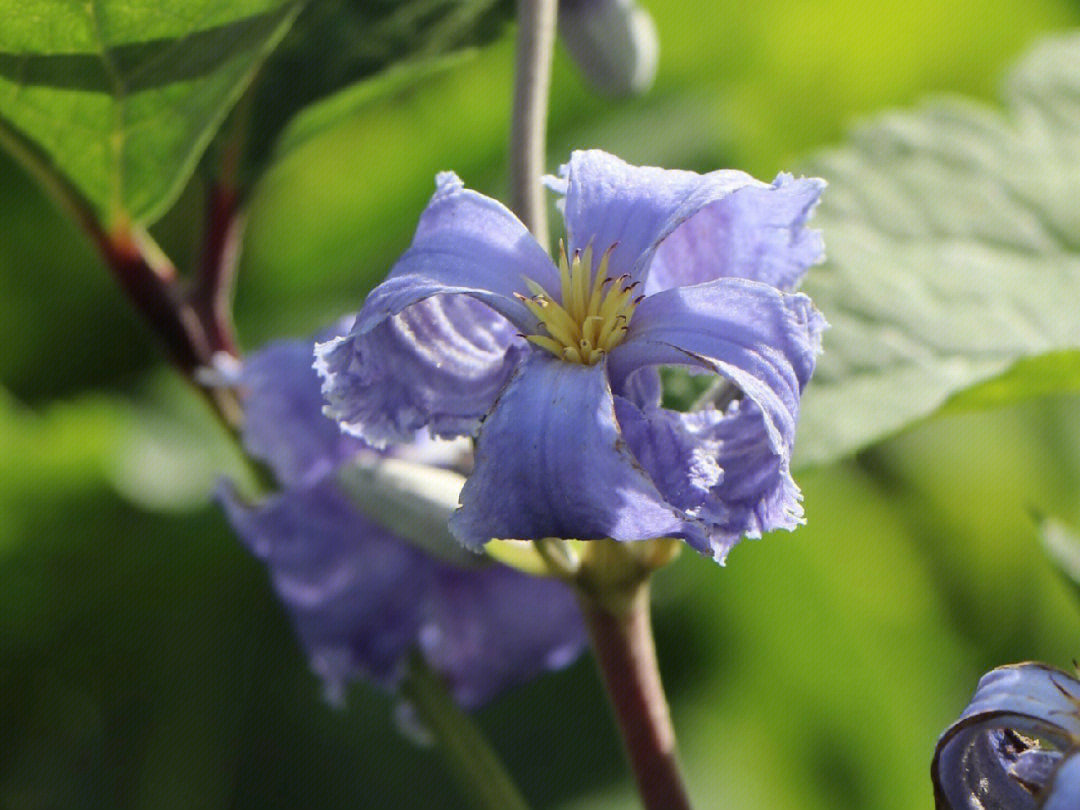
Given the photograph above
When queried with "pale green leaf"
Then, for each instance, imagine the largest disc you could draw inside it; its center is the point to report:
(1061, 543)
(953, 239)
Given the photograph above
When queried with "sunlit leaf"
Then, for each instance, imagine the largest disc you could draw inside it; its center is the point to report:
(121, 98)
(953, 236)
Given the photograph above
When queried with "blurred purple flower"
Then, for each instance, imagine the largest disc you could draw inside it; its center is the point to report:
(361, 597)
(1016, 746)
(476, 324)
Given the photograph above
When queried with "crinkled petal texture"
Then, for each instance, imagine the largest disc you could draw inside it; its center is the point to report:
(354, 591)
(729, 470)
(765, 341)
(283, 421)
(490, 628)
(718, 467)
(414, 359)
(675, 228)
(1015, 745)
(551, 462)
(438, 364)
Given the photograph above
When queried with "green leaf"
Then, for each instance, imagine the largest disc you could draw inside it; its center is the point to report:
(336, 108)
(953, 238)
(1062, 545)
(1053, 373)
(336, 43)
(169, 452)
(118, 98)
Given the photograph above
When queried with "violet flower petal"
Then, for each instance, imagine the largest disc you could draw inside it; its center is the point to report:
(360, 599)
(490, 628)
(644, 388)
(1033, 766)
(764, 341)
(440, 363)
(756, 232)
(1037, 691)
(283, 421)
(412, 359)
(354, 591)
(718, 467)
(550, 462)
(609, 202)
(1064, 792)
(465, 243)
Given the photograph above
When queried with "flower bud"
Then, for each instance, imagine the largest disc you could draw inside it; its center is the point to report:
(613, 42)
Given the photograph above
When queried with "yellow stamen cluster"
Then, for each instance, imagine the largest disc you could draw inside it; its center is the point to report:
(595, 310)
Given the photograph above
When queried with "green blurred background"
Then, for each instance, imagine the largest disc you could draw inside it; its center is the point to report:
(144, 662)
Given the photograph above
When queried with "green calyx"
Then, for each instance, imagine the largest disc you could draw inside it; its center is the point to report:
(605, 571)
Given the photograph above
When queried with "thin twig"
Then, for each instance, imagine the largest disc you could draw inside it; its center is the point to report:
(159, 300)
(212, 294)
(475, 766)
(215, 280)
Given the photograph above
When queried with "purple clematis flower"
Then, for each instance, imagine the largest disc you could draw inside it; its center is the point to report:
(555, 365)
(362, 598)
(1016, 746)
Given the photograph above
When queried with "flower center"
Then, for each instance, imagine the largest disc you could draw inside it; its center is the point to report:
(595, 310)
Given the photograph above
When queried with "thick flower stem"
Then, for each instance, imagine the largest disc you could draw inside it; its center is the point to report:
(478, 771)
(528, 127)
(626, 655)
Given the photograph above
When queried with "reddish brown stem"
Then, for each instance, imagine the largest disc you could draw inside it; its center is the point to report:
(155, 295)
(212, 295)
(154, 292)
(147, 277)
(626, 655)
